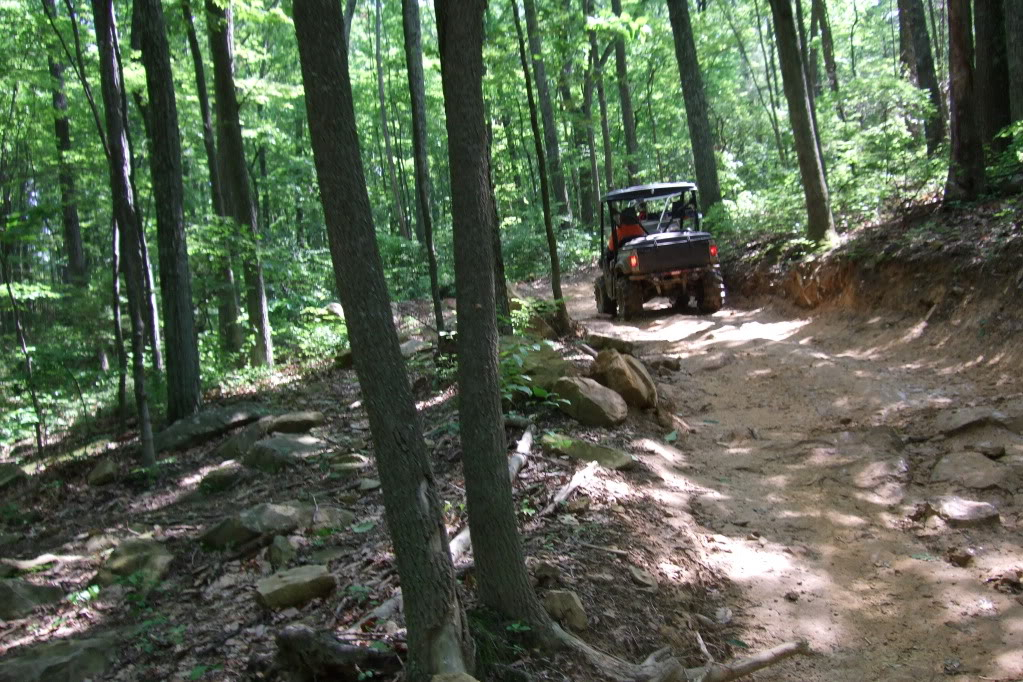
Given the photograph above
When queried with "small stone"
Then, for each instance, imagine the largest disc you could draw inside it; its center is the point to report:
(970, 470)
(643, 578)
(990, 450)
(368, 484)
(19, 598)
(578, 505)
(331, 517)
(225, 477)
(960, 556)
(547, 573)
(281, 552)
(792, 596)
(566, 607)
(103, 473)
(295, 587)
(961, 512)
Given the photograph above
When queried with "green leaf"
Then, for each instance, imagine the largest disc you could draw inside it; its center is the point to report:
(364, 527)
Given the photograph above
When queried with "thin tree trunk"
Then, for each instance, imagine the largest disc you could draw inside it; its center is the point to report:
(1014, 55)
(550, 131)
(115, 303)
(40, 427)
(349, 16)
(804, 58)
(907, 49)
(934, 125)
(399, 209)
(700, 134)
(767, 53)
(500, 567)
(966, 170)
(592, 74)
(151, 310)
(625, 95)
(183, 387)
(125, 211)
(412, 29)
(992, 72)
(438, 636)
(821, 224)
(235, 177)
(605, 135)
(562, 323)
(820, 8)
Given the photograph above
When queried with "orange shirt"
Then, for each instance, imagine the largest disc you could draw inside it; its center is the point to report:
(625, 232)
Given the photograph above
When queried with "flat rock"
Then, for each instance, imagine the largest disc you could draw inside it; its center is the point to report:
(970, 470)
(351, 462)
(327, 516)
(990, 450)
(277, 519)
(606, 342)
(627, 377)
(296, 422)
(104, 473)
(368, 484)
(958, 511)
(280, 452)
(589, 452)
(541, 362)
(566, 608)
(19, 598)
(665, 362)
(873, 473)
(590, 403)
(949, 422)
(206, 425)
(11, 474)
(295, 587)
(643, 578)
(147, 558)
(242, 440)
(66, 660)
(414, 346)
(225, 477)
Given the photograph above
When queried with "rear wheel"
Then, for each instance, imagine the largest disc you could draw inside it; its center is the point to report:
(605, 304)
(712, 293)
(630, 298)
(680, 303)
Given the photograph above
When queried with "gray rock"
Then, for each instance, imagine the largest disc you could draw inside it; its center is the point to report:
(205, 426)
(295, 587)
(590, 403)
(566, 608)
(961, 512)
(241, 441)
(665, 362)
(368, 484)
(66, 660)
(147, 558)
(281, 552)
(990, 450)
(296, 422)
(104, 473)
(580, 449)
(277, 519)
(414, 347)
(954, 421)
(541, 362)
(453, 677)
(10, 474)
(606, 342)
(643, 578)
(873, 473)
(225, 477)
(19, 598)
(331, 517)
(335, 309)
(351, 462)
(970, 470)
(280, 452)
(627, 377)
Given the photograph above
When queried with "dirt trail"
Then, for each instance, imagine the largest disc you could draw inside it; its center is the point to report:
(814, 447)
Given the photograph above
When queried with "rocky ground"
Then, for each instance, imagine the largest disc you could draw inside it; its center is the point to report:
(850, 477)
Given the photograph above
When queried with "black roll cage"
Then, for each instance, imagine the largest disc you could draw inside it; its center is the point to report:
(660, 190)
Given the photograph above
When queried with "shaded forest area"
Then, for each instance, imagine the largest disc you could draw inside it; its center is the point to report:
(257, 264)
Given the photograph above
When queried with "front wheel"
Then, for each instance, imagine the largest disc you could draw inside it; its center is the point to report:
(630, 298)
(712, 293)
(605, 304)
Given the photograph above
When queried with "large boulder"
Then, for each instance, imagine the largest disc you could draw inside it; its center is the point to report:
(263, 519)
(295, 587)
(589, 452)
(19, 598)
(148, 559)
(65, 660)
(280, 452)
(970, 470)
(541, 362)
(589, 403)
(627, 377)
(11, 474)
(205, 426)
(566, 608)
(296, 422)
(239, 444)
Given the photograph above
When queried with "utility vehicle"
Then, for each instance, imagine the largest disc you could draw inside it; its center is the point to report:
(669, 257)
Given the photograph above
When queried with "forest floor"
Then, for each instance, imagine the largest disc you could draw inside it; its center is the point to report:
(801, 505)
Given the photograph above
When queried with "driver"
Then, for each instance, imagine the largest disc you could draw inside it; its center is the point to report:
(628, 228)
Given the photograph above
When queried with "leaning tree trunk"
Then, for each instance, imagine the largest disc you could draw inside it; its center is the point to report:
(550, 130)
(234, 175)
(700, 133)
(385, 131)
(821, 223)
(417, 91)
(563, 324)
(992, 72)
(182, 357)
(438, 636)
(625, 94)
(934, 125)
(1014, 55)
(124, 210)
(966, 170)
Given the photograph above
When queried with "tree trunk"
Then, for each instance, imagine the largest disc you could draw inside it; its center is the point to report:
(438, 637)
(562, 323)
(550, 131)
(605, 136)
(503, 582)
(966, 170)
(934, 125)
(700, 134)
(421, 155)
(820, 9)
(907, 53)
(821, 224)
(1014, 55)
(125, 211)
(115, 303)
(234, 176)
(592, 74)
(348, 18)
(183, 389)
(399, 208)
(804, 57)
(992, 72)
(625, 94)
(574, 112)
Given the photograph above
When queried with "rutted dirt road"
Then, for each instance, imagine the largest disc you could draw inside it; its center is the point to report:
(818, 442)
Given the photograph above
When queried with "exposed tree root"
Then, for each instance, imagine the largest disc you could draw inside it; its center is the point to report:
(566, 490)
(307, 655)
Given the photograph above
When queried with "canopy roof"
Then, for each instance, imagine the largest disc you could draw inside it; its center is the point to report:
(655, 190)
